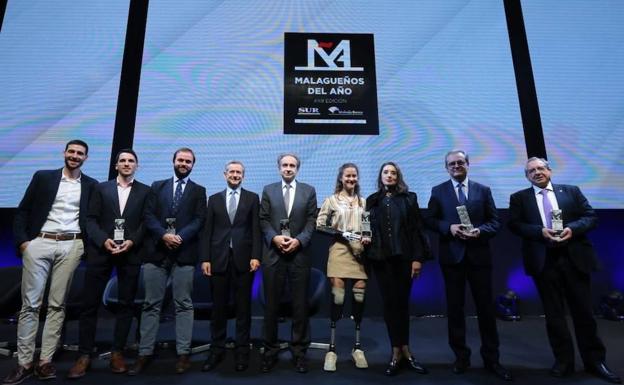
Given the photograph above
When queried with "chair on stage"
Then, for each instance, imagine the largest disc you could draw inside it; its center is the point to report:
(317, 291)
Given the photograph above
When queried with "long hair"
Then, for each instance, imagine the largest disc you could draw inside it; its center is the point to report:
(339, 186)
(401, 187)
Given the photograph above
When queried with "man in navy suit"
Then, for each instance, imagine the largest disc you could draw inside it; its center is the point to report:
(49, 228)
(114, 225)
(465, 257)
(174, 215)
(231, 251)
(560, 263)
(287, 219)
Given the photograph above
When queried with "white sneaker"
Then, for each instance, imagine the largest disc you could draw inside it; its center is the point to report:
(359, 358)
(330, 362)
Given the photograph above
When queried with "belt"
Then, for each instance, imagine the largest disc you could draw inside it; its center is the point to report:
(61, 236)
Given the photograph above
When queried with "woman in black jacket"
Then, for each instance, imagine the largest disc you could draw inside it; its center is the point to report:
(398, 249)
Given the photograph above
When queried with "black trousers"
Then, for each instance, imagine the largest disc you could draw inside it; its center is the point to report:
(274, 278)
(395, 282)
(560, 282)
(96, 277)
(479, 278)
(227, 286)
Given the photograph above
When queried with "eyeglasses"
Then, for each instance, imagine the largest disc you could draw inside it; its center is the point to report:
(456, 163)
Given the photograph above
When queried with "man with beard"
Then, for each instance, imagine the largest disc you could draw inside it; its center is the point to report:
(49, 227)
(231, 250)
(174, 215)
(287, 220)
(115, 228)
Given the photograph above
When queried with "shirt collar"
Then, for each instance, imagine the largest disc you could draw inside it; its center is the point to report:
(538, 190)
(229, 190)
(175, 179)
(455, 182)
(129, 183)
(293, 184)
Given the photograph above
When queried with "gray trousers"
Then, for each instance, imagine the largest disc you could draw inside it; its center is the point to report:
(155, 280)
(43, 258)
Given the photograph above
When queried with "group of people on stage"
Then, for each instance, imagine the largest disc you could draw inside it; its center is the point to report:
(170, 227)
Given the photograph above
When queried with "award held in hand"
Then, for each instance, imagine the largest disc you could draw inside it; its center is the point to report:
(171, 225)
(556, 217)
(464, 218)
(365, 225)
(285, 227)
(118, 232)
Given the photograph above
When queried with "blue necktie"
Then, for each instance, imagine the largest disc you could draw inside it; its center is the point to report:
(177, 197)
(461, 197)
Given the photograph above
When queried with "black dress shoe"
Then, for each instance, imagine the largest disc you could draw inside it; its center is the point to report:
(392, 369)
(500, 371)
(301, 365)
(241, 362)
(416, 366)
(561, 370)
(460, 366)
(212, 361)
(139, 365)
(600, 369)
(268, 363)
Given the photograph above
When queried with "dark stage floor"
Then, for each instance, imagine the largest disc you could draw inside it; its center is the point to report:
(524, 350)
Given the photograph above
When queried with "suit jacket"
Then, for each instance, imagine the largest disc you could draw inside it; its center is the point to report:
(104, 209)
(244, 232)
(442, 214)
(36, 204)
(189, 221)
(578, 215)
(302, 221)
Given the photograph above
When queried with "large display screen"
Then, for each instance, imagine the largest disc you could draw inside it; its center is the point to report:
(60, 63)
(577, 55)
(212, 80)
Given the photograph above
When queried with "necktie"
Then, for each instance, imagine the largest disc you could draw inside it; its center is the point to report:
(177, 196)
(461, 197)
(287, 197)
(547, 208)
(232, 206)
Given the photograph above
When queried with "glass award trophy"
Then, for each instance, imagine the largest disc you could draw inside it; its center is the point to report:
(557, 221)
(464, 218)
(285, 227)
(171, 226)
(118, 232)
(366, 225)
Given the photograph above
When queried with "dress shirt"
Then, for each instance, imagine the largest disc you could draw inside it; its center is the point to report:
(65, 212)
(293, 189)
(175, 184)
(540, 203)
(465, 183)
(123, 192)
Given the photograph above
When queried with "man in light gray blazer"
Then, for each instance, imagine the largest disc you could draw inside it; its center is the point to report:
(287, 220)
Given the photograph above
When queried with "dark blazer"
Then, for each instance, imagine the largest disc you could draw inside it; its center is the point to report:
(104, 209)
(442, 214)
(244, 232)
(36, 204)
(189, 221)
(302, 221)
(414, 243)
(578, 215)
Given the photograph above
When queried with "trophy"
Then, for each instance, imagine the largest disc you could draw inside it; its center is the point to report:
(464, 218)
(285, 227)
(171, 226)
(365, 225)
(557, 221)
(118, 232)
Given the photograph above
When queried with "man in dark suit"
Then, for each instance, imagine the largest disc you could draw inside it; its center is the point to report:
(174, 215)
(114, 225)
(465, 256)
(560, 262)
(231, 252)
(49, 228)
(287, 219)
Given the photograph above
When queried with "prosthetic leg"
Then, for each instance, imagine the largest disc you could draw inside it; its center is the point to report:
(357, 354)
(338, 294)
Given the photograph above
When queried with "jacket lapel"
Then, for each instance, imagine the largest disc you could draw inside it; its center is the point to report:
(111, 190)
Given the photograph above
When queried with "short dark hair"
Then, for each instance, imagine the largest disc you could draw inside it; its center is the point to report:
(183, 149)
(126, 151)
(79, 143)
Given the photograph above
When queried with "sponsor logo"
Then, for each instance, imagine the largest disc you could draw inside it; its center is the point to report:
(308, 111)
(341, 54)
(333, 110)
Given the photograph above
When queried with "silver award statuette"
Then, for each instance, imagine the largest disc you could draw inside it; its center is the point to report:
(118, 232)
(285, 227)
(365, 225)
(464, 218)
(171, 225)
(557, 221)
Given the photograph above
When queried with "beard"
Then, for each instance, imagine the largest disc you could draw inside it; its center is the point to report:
(180, 174)
(67, 165)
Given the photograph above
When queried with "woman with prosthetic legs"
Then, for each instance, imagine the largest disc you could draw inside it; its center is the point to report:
(341, 217)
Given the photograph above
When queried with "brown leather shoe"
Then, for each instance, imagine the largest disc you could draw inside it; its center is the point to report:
(183, 364)
(139, 365)
(18, 375)
(117, 363)
(45, 371)
(83, 363)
